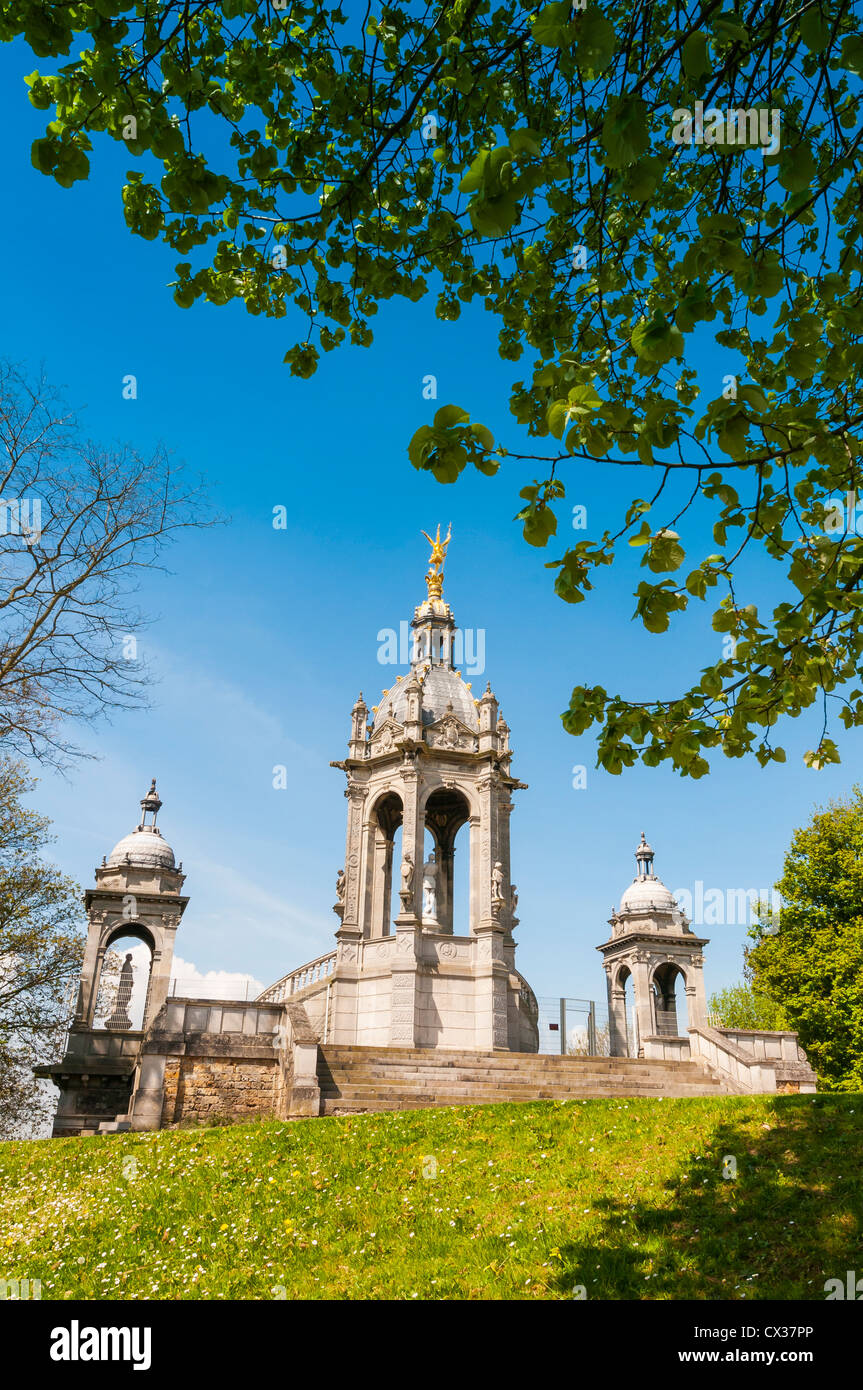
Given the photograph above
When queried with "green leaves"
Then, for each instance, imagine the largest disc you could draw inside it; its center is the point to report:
(664, 552)
(493, 179)
(539, 522)
(595, 40)
(695, 56)
(641, 280)
(624, 131)
(63, 157)
(446, 446)
(814, 30)
(551, 27)
(656, 340)
(303, 360)
(656, 603)
(811, 961)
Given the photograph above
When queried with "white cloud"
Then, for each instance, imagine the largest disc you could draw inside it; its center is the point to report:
(222, 984)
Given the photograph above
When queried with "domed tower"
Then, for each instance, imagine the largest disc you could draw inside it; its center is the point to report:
(137, 894)
(652, 946)
(436, 759)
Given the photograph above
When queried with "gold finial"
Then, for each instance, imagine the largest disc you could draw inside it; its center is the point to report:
(434, 578)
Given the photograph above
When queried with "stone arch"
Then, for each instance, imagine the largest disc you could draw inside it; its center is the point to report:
(121, 1003)
(626, 1014)
(451, 784)
(383, 821)
(666, 999)
(446, 810)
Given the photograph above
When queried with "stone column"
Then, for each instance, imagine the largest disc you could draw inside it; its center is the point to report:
(344, 983)
(616, 1015)
(388, 889)
(353, 856)
(91, 970)
(379, 911)
(161, 965)
(641, 989)
(404, 1002)
(696, 1000)
(413, 839)
(445, 881)
(491, 976)
(474, 836)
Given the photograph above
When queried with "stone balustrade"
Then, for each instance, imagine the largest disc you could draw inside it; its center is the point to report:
(315, 972)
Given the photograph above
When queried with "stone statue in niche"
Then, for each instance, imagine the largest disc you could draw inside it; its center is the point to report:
(430, 873)
(497, 881)
(450, 737)
(406, 891)
(120, 1019)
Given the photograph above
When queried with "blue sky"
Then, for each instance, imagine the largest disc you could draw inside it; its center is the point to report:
(263, 637)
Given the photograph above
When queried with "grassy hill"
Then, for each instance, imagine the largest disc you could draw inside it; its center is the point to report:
(625, 1198)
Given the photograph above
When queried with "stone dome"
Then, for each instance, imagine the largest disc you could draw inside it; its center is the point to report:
(441, 687)
(146, 848)
(647, 892)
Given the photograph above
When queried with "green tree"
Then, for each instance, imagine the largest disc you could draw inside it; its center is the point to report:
(41, 947)
(740, 1007)
(811, 966)
(688, 291)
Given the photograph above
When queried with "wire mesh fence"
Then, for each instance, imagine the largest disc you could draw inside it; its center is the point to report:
(573, 1027)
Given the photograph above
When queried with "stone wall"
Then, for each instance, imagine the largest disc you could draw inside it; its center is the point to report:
(206, 1090)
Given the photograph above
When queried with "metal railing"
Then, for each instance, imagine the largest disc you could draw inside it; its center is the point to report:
(229, 990)
(306, 975)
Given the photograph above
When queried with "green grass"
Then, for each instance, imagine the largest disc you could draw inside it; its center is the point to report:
(623, 1197)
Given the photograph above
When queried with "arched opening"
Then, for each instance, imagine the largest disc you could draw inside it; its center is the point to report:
(124, 982)
(629, 1021)
(670, 1014)
(446, 813)
(385, 851)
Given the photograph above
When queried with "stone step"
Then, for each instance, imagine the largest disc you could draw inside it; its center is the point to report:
(354, 1079)
(346, 1105)
(618, 1066)
(520, 1091)
(516, 1084)
(450, 1057)
(525, 1090)
(561, 1078)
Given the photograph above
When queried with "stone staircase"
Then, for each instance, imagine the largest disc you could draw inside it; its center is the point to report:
(359, 1079)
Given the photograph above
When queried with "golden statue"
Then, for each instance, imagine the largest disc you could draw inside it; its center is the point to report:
(439, 548)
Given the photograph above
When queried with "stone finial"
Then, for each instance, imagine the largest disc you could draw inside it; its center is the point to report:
(150, 804)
